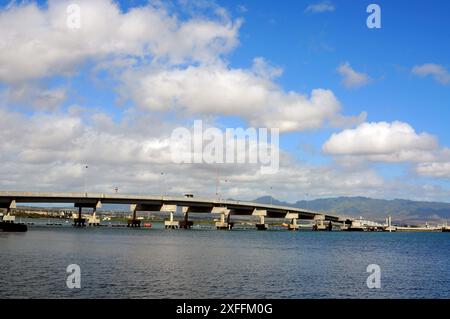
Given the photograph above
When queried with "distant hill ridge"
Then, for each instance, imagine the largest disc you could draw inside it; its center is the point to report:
(377, 209)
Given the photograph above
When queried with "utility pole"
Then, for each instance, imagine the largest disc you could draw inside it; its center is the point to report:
(85, 178)
(225, 181)
(217, 182)
(271, 195)
(162, 184)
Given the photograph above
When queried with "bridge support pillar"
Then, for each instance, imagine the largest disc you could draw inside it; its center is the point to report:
(293, 225)
(224, 223)
(133, 222)
(261, 225)
(93, 220)
(171, 224)
(321, 226)
(186, 223)
(344, 226)
(79, 221)
(293, 217)
(225, 218)
(261, 213)
(389, 226)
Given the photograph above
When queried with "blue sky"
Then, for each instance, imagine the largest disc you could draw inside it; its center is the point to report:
(401, 73)
(309, 47)
(413, 32)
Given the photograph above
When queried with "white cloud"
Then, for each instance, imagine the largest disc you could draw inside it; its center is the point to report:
(168, 64)
(325, 6)
(44, 153)
(438, 72)
(437, 167)
(250, 93)
(35, 96)
(384, 142)
(434, 169)
(352, 78)
(35, 42)
(394, 142)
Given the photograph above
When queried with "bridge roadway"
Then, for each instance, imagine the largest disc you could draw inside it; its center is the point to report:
(9, 199)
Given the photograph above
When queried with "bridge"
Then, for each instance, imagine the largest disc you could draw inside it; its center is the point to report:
(170, 205)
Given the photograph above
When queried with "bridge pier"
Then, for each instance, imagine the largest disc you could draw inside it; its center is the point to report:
(171, 224)
(293, 225)
(389, 226)
(230, 223)
(186, 223)
(320, 225)
(261, 213)
(293, 217)
(133, 222)
(222, 224)
(225, 216)
(79, 221)
(93, 220)
(261, 225)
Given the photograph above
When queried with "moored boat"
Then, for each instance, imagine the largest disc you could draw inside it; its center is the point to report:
(13, 227)
(8, 224)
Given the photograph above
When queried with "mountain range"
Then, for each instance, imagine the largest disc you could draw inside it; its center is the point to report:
(401, 210)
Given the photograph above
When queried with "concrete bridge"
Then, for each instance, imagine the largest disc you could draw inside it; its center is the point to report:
(169, 204)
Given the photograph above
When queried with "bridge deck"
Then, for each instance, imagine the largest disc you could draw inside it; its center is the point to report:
(239, 207)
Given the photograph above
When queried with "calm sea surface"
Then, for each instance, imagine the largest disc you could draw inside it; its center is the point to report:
(202, 263)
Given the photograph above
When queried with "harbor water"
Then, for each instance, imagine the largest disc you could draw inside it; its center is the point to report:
(206, 263)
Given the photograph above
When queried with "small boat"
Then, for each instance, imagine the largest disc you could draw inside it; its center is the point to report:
(7, 224)
(13, 227)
